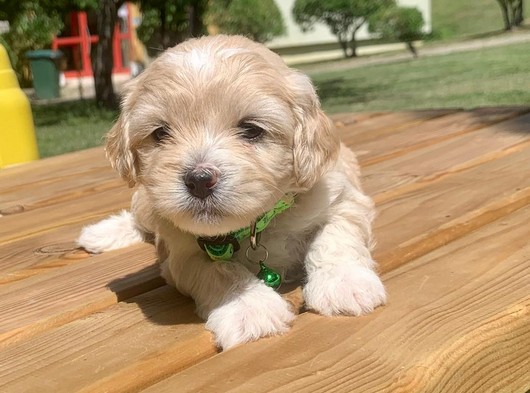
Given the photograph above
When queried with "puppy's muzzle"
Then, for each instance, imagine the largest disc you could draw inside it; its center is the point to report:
(201, 180)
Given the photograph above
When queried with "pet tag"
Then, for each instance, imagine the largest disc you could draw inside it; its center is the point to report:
(270, 277)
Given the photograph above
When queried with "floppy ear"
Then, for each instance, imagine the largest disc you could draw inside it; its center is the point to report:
(119, 151)
(316, 144)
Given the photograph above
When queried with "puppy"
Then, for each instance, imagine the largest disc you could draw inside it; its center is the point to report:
(217, 134)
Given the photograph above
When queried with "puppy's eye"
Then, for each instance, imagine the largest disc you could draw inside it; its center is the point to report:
(160, 134)
(250, 131)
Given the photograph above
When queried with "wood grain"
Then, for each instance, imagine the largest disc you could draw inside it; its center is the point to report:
(348, 118)
(23, 176)
(396, 144)
(38, 254)
(129, 345)
(388, 123)
(62, 181)
(457, 321)
(388, 179)
(453, 194)
(83, 208)
(422, 220)
(41, 302)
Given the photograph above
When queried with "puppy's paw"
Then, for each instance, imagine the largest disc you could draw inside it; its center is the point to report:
(344, 289)
(112, 233)
(259, 312)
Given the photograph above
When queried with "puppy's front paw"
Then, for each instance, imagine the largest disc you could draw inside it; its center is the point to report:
(112, 233)
(344, 289)
(259, 312)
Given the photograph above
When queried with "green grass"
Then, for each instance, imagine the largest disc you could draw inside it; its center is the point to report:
(460, 18)
(70, 126)
(487, 77)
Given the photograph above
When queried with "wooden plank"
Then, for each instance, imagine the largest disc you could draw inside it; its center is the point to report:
(41, 253)
(81, 209)
(405, 238)
(394, 144)
(348, 118)
(126, 347)
(457, 321)
(54, 185)
(389, 179)
(388, 123)
(51, 168)
(450, 207)
(41, 302)
(154, 363)
(61, 191)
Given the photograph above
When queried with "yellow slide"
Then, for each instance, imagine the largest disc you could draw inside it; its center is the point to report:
(17, 133)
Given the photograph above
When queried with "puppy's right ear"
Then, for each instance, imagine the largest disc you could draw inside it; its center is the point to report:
(119, 151)
(119, 148)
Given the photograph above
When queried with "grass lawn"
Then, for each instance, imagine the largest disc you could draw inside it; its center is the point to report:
(496, 76)
(452, 19)
(487, 77)
(71, 126)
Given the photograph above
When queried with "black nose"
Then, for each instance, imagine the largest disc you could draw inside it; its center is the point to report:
(200, 182)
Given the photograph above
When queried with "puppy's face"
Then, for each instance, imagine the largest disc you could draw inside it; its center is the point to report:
(217, 130)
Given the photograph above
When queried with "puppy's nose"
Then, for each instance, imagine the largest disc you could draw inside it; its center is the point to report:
(201, 180)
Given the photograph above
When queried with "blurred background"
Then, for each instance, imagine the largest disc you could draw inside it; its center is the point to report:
(71, 57)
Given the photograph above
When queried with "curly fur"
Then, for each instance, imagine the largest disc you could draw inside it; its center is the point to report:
(199, 91)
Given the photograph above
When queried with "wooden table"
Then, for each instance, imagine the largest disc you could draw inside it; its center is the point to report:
(453, 194)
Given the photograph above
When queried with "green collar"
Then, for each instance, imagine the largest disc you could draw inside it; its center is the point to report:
(223, 247)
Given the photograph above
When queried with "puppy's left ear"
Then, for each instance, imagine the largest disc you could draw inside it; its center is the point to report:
(316, 144)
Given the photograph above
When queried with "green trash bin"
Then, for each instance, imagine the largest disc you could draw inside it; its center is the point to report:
(45, 69)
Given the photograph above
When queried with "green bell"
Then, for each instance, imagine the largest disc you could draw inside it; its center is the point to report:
(269, 277)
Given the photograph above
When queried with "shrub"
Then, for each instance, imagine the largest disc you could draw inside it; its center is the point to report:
(260, 20)
(398, 23)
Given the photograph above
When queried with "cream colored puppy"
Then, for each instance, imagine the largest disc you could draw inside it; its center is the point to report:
(213, 134)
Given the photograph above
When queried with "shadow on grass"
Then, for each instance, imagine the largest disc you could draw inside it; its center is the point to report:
(339, 92)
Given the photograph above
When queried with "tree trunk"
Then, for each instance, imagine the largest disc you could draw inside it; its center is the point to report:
(353, 47)
(343, 44)
(412, 49)
(353, 41)
(505, 14)
(164, 34)
(196, 11)
(103, 63)
(517, 10)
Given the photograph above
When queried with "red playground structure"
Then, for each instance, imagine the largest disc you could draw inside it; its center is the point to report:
(78, 44)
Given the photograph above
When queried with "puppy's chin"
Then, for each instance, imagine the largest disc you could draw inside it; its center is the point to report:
(212, 223)
(207, 220)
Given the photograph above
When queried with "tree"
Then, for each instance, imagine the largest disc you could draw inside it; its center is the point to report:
(260, 20)
(512, 13)
(398, 23)
(107, 15)
(171, 21)
(165, 23)
(343, 17)
(33, 24)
